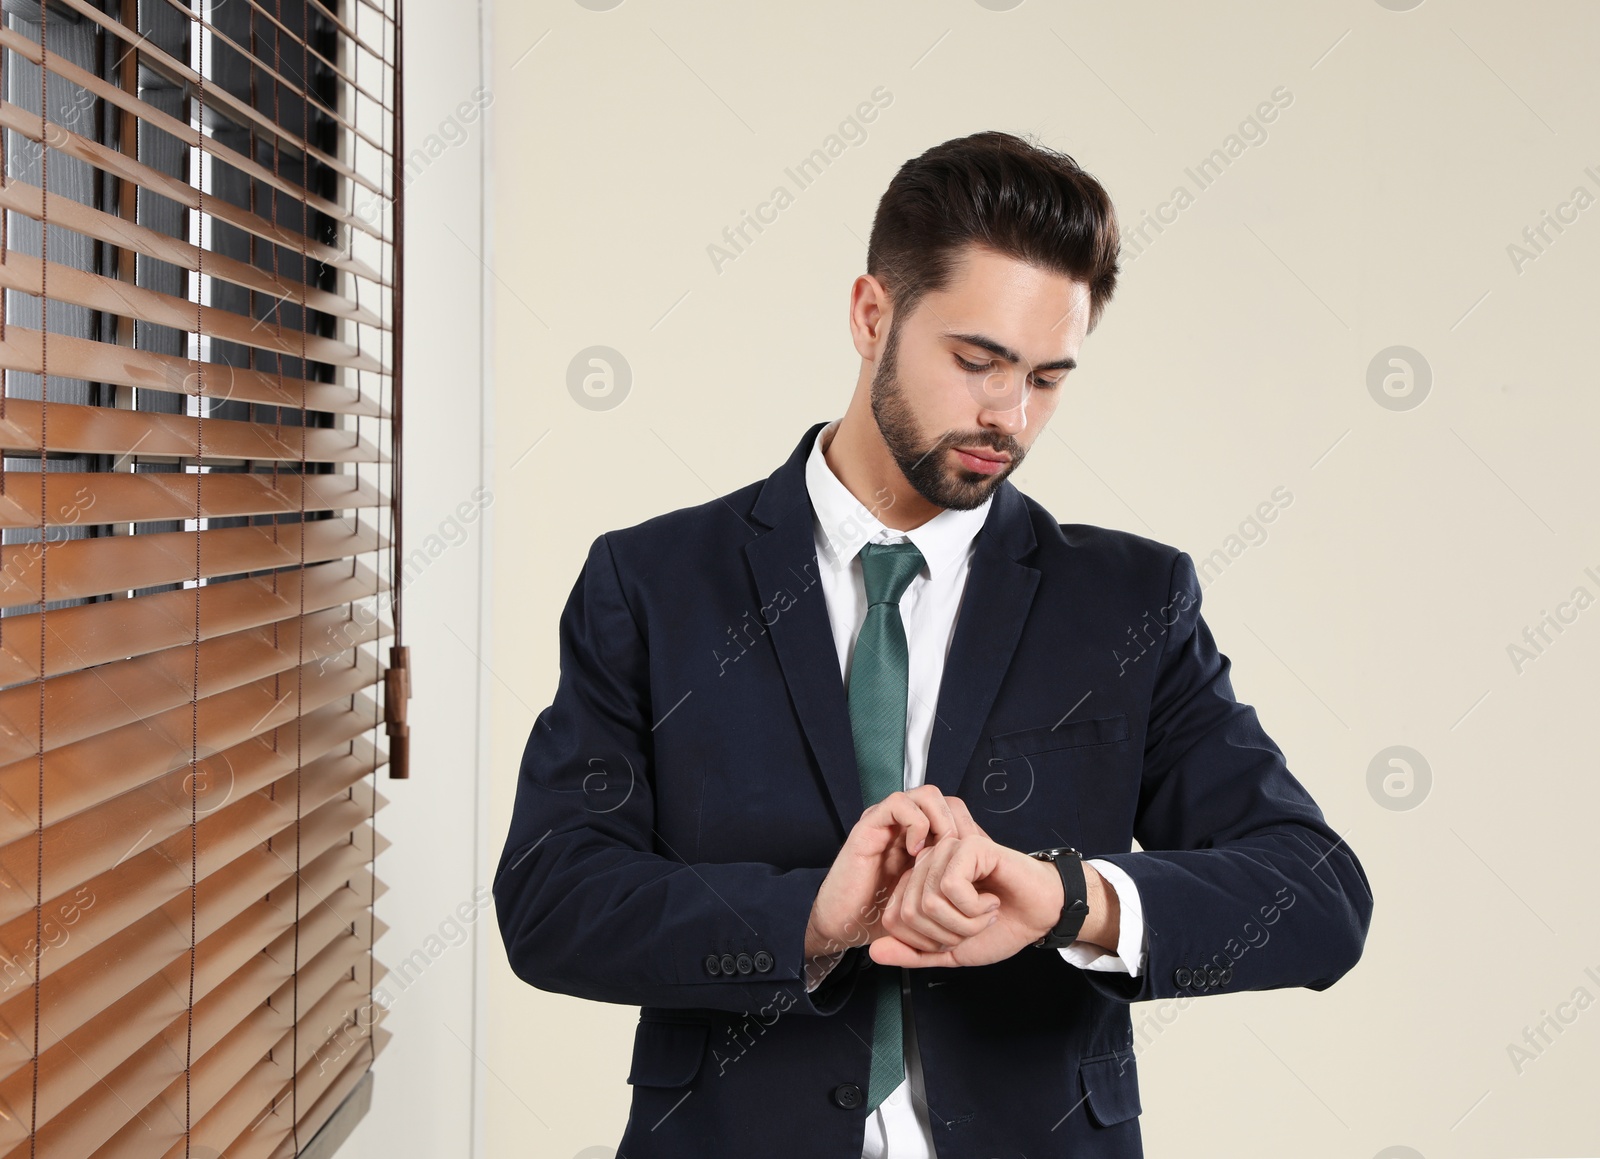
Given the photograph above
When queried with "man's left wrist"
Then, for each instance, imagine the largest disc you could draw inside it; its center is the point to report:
(1055, 898)
(1072, 877)
(1100, 927)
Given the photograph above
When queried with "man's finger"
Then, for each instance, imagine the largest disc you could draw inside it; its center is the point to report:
(894, 922)
(904, 811)
(970, 861)
(948, 896)
(923, 910)
(937, 806)
(903, 918)
(891, 951)
(965, 825)
(924, 817)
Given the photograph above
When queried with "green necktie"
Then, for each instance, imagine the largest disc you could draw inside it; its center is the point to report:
(879, 672)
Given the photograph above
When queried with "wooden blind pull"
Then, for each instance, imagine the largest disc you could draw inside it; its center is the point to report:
(397, 690)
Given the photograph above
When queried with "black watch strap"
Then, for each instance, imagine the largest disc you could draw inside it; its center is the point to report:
(1075, 896)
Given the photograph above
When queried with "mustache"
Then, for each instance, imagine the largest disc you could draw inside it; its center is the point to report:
(1002, 444)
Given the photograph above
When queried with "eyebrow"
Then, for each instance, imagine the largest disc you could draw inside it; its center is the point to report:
(1010, 355)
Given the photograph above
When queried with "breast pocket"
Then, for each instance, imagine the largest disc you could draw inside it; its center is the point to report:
(1044, 784)
(1067, 734)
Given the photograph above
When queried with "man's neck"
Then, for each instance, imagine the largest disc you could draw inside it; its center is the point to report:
(859, 458)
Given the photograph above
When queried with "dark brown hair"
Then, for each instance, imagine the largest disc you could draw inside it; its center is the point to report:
(1022, 200)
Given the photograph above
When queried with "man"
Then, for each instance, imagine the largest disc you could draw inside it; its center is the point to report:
(809, 736)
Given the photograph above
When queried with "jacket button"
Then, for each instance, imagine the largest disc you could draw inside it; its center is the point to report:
(1182, 976)
(713, 965)
(847, 1095)
(1200, 978)
(744, 963)
(1226, 976)
(763, 961)
(1213, 976)
(730, 964)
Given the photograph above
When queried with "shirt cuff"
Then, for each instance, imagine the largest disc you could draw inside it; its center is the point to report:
(817, 972)
(1129, 958)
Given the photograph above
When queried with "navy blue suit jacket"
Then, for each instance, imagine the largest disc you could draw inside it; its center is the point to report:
(681, 800)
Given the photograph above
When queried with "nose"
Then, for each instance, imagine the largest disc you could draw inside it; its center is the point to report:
(1002, 398)
(1006, 412)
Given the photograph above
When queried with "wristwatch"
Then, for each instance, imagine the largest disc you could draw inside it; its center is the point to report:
(1075, 896)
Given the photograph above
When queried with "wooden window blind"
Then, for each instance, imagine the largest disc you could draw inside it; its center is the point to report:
(199, 567)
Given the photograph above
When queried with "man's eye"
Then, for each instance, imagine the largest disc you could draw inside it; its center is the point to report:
(974, 368)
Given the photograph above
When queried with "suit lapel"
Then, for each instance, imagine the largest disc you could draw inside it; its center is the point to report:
(784, 558)
(994, 606)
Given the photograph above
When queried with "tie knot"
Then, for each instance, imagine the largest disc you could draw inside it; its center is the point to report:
(888, 569)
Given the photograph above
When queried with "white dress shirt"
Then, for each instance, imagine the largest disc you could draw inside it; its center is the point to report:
(899, 1127)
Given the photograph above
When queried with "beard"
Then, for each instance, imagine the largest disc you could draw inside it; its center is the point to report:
(924, 465)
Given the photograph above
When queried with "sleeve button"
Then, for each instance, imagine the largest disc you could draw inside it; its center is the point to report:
(745, 965)
(1182, 976)
(713, 966)
(763, 961)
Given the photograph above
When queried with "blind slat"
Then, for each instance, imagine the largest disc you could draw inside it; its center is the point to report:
(72, 357)
(228, 1040)
(149, 881)
(335, 1087)
(118, 563)
(292, 86)
(26, 273)
(85, 704)
(156, 117)
(77, 850)
(108, 431)
(101, 497)
(79, 776)
(220, 99)
(159, 1125)
(26, 123)
(240, 895)
(28, 200)
(74, 1068)
(89, 634)
(268, 17)
(80, 989)
(233, 1128)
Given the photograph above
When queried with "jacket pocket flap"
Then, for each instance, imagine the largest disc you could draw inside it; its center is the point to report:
(667, 1054)
(1095, 730)
(1111, 1086)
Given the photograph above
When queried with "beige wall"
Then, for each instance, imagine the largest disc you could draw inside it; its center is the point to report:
(1408, 151)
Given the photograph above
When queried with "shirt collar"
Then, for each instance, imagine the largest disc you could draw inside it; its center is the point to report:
(846, 523)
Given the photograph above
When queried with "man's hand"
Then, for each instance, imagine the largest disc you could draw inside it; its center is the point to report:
(880, 849)
(939, 901)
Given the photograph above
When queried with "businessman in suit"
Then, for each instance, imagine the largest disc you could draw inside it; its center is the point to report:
(843, 770)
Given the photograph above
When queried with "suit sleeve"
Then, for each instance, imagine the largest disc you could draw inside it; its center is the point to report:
(1243, 884)
(588, 900)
